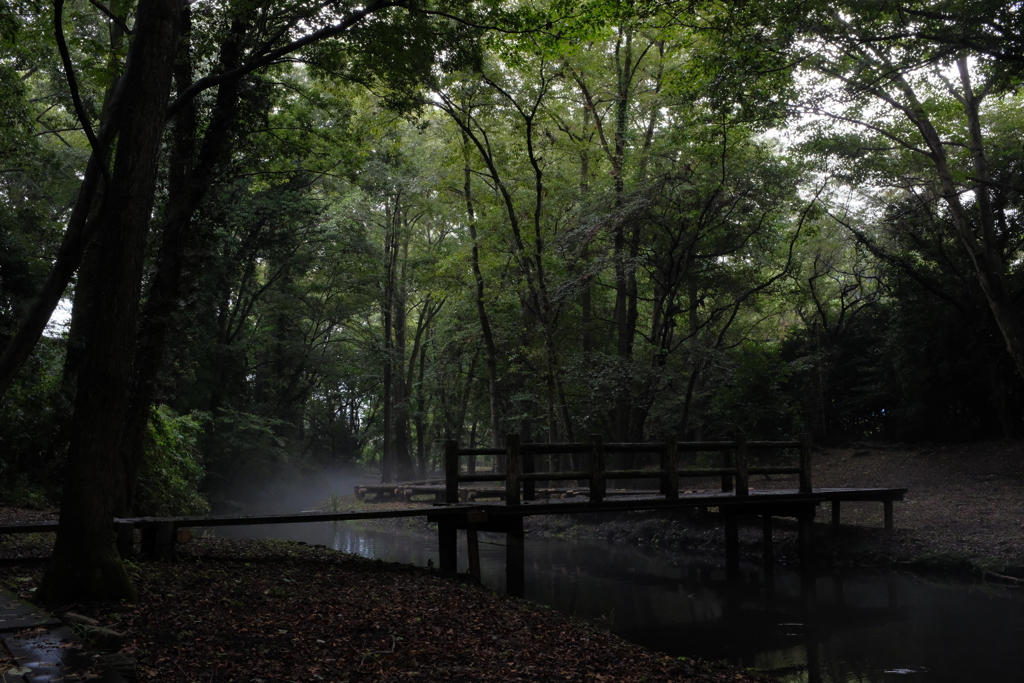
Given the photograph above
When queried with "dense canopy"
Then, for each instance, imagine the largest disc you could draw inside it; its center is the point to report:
(314, 233)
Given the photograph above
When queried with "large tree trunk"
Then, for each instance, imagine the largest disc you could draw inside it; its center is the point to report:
(188, 183)
(85, 564)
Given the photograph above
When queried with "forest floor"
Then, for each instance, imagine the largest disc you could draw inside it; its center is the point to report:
(262, 612)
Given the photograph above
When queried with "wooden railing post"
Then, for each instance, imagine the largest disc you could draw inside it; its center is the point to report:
(513, 469)
(529, 461)
(670, 477)
(742, 482)
(726, 478)
(597, 469)
(805, 463)
(451, 471)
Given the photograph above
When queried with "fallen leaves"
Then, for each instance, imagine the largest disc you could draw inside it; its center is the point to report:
(343, 618)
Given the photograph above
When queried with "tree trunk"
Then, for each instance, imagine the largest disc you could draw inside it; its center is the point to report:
(485, 324)
(85, 564)
(403, 436)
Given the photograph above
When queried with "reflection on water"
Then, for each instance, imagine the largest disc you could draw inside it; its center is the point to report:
(851, 629)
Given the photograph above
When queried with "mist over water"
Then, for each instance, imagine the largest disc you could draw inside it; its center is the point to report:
(288, 490)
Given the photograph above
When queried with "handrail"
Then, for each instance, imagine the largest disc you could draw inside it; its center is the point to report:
(519, 476)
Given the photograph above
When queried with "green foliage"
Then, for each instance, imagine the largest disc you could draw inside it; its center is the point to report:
(33, 420)
(172, 466)
(755, 400)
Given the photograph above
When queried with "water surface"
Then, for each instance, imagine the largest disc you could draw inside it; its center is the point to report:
(863, 628)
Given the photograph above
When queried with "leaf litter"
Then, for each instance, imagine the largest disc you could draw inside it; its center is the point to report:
(269, 611)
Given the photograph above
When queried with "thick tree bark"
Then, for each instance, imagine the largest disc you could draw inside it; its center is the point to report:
(85, 564)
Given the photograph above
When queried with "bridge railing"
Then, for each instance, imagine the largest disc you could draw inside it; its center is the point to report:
(520, 459)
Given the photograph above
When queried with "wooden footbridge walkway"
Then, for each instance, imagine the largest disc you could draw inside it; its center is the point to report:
(459, 505)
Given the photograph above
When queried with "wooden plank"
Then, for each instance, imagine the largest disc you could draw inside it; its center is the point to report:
(29, 527)
(707, 471)
(481, 451)
(633, 474)
(685, 446)
(555, 476)
(469, 478)
(773, 470)
(554, 448)
(634, 447)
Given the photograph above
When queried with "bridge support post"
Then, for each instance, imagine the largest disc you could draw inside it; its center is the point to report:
(769, 550)
(732, 547)
(888, 512)
(835, 514)
(807, 587)
(447, 546)
(515, 557)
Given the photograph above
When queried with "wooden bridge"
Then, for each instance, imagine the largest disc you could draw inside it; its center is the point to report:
(733, 496)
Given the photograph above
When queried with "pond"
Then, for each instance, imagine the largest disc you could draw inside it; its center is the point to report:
(863, 628)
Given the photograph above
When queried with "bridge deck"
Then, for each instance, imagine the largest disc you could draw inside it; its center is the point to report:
(757, 502)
